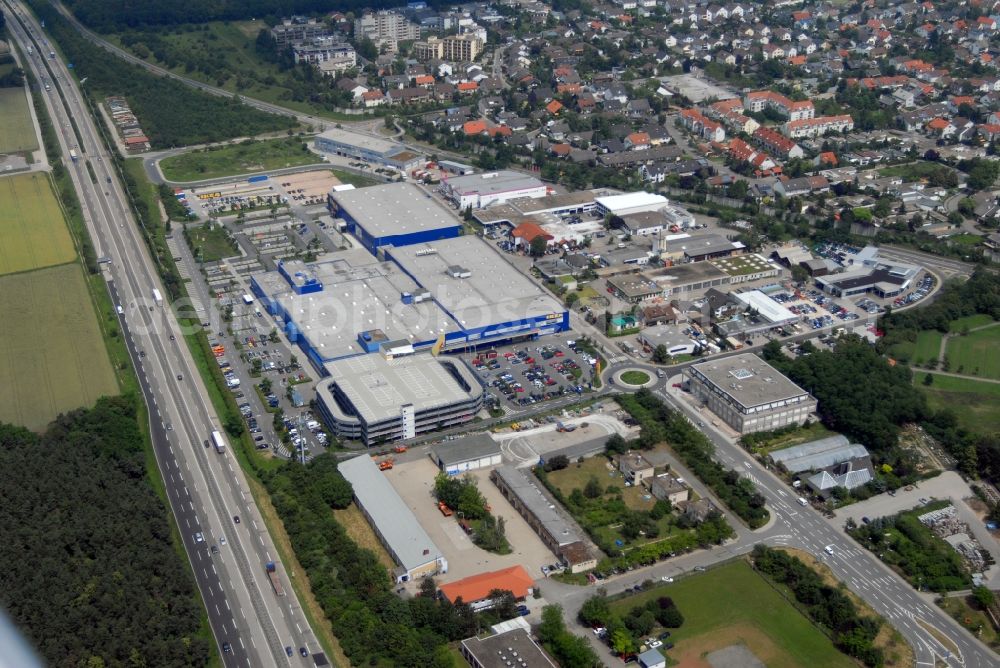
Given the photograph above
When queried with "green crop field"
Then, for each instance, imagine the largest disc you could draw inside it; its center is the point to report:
(32, 232)
(976, 353)
(234, 159)
(778, 634)
(974, 402)
(52, 355)
(17, 134)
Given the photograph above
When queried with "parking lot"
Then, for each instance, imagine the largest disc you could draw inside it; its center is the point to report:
(414, 482)
(520, 375)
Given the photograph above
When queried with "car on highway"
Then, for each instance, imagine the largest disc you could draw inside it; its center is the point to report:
(198, 538)
(666, 578)
(829, 549)
(205, 443)
(215, 549)
(236, 518)
(303, 651)
(227, 648)
(222, 539)
(180, 376)
(288, 650)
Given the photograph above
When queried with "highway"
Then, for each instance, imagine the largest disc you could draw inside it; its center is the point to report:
(206, 490)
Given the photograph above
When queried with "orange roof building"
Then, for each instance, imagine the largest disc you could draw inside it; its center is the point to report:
(467, 87)
(477, 588)
(554, 107)
(476, 127)
(527, 231)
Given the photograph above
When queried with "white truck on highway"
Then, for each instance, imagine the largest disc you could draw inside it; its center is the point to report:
(157, 297)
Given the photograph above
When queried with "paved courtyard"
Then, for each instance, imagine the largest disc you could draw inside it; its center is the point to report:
(414, 481)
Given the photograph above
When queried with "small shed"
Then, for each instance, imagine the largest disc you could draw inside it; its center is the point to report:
(652, 658)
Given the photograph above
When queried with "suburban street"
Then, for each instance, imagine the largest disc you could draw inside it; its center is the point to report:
(206, 490)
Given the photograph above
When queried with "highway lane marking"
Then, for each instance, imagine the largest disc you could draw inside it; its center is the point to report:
(226, 601)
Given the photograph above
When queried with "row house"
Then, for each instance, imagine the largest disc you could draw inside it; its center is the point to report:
(706, 128)
(821, 125)
(757, 101)
(777, 143)
(762, 163)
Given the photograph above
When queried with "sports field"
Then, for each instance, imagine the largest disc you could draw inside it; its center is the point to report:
(32, 231)
(17, 134)
(52, 355)
(776, 633)
(975, 354)
(973, 401)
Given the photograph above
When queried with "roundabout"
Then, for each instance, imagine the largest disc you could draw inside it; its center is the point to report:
(634, 378)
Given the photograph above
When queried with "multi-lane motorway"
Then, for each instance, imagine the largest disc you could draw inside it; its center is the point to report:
(223, 533)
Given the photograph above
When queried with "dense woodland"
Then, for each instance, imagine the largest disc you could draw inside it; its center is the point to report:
(171, 114)
(112, 15)
(373, 624)
(858, 391)
(90, 574)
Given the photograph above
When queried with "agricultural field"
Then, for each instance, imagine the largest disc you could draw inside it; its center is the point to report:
(774, 631)
(974, 402)
(33, 234)
(52, 354)
(17, 133)
(975, 353)
(234, 159)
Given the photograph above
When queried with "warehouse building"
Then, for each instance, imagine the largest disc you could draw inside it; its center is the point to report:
(374, 399)
(623, 205)
(369, 149)
(683, 279)
(486, 298)
(469, 453)
(748, 394)
(393, 214)
(481, 190)
(558, 533)
(393, 522)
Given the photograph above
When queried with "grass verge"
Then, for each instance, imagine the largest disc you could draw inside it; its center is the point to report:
(245, 157)
(974, 402)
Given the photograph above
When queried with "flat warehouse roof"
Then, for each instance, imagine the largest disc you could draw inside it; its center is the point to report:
(683, 274)
(749, 380)
(393, 519)
(537, 504)
(359, 294)
(359, 141)
(468, 448)
(394, 208)
(771, 310)
(494, 293)
(631, 200)
(377, 386)
(492, 182)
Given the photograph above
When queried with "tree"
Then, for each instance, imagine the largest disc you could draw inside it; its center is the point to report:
(492, 534)
(556, 463)
(622, 642)
(616, 445)
(592, 489)
(660, 354)
(538, 246)
(928, 379)
(983, 597)
(595, 611)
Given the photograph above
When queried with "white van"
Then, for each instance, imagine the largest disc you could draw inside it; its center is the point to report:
(802, 501)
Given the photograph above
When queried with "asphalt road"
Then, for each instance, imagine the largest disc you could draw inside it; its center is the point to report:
(206, 491)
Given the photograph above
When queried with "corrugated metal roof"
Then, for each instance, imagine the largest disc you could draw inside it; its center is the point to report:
(399, 528)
